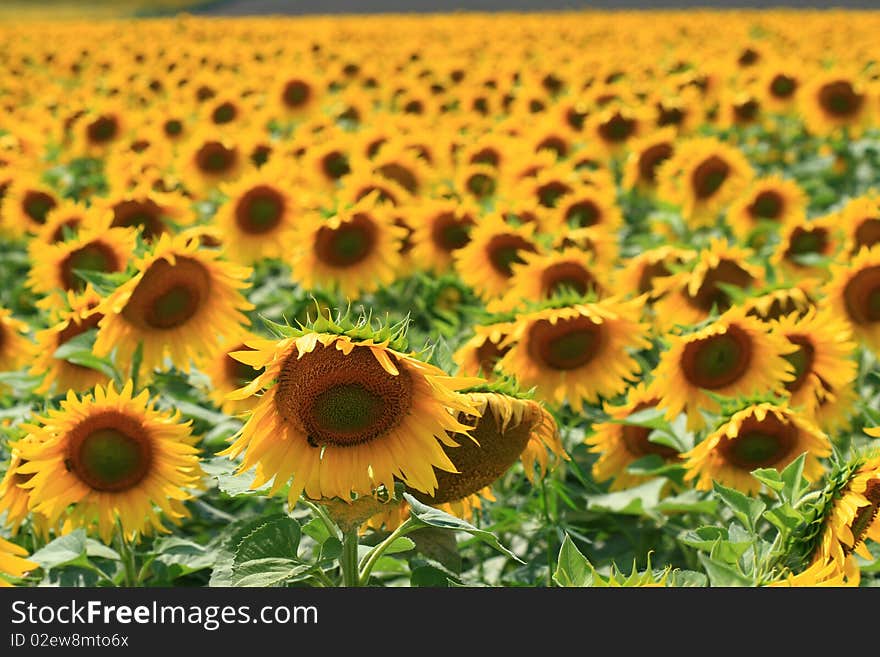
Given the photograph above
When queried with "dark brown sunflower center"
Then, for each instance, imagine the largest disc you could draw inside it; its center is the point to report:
(767, 205)
(566, 345)
(807, 240)
(651, 158)
(347, 245)
(95, 256)
(867, 233)
(296, 94)
(37, 205)
(168, 296)
(783, 86)
(718, 360)
(802, 361)
(583, 214)
(840, 99)
(505, 250)
(259, 210)
(401, 175)
(566, 276)
(224, 113)
(102, 129)
(636, 438)
(110, 452)
(710, 294)
(487, 156)
(669, 115)
(708, 177)
(747, 111)
(550, 193)
(556, 144)
(488, 354)
(335, 165)
(215, 159)
(481, 185)
(575, 119)
(480, 464)
(866, 515)
(342, 401)
(760, 444)
(861, 296)
(450, 233)
(617, 129)
(173, 127)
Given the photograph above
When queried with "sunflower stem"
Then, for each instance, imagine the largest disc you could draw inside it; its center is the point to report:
(348, 560)
(126, 554)
(369, 561)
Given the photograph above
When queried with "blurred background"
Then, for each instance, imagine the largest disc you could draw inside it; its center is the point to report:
(92, 9)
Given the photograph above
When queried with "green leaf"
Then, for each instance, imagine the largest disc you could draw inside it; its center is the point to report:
(687, 578)
(222, 470)
(793, 479)
(428, 515)
(722, 575)
(428, 577)
(267, 572)
(770, 478)
(277, 538)
(96, 549)
(438, 545)
(572, 567)
(317, 530)
(103, 282)
(690, 501)
(190, 556)
(632, 501)
(400, 544)
(63, 550)
(747, 509)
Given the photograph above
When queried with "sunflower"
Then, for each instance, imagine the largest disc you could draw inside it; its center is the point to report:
(774, 302)
(14, 345)
(853, 293)
(64, 220)
(179, 303)
(680, 112)
(587, 207)
(15, 499)
(615, 126)
(689, 297)
(645, 157)
(577, 353)
(329, 160)
(806, 247)
(13, 562)
(26, 205)
(228, 374)
(818, 574)
(345, 412)
(208, 159)
(733, 356)
(59, 374)
(110, 457)
(832, 100)
(99, 130)
(479, 355)
(355, 251)
(295, 95)
(779, 85)
(638, 274)
(702, 177)
(259, 218)
(619, 444)
(505, 429)
(849, 512)
(859, 220)
(772, 201)
(761, 435)
(486, 262)
(442, 227)
(542, 275)
(55, 267)
(153, 213)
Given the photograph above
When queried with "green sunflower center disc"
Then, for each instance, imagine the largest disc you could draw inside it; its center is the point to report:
(102, 129)
(868, 233)
(173, 127)
(566, 345)
(168, 296)
(335, 165)
(225, 113)
(296, 93)
(449, 233)
(840, 99)
(143, 214)
(37, 205)
(95, 256)
(802, 360)
(110, 452)
(481, 185)
(767, 205)
(214, 158)
(259, 210)
(340, 400)
(709, 176)
(718, 360)
(583, 214)
(861, 295)
(504, 250)
(651, 158)
(566, 276)
(347, 245)
(760, 444)
(783, 86)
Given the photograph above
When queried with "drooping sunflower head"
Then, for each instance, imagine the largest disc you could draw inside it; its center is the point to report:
(356, 250)
(179, 303)
(834, 99)
(620, 443)
(344, 412)
(853, 293)
(109, 457)
(773, 201)
(763, 435)
(733, 356)
(577, 352)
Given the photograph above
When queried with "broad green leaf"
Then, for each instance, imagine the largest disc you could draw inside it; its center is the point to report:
(400, 544)
(747, 509)
(63, 550)
(317, 530)
(222, 470)
(792, 477)
(438, 545)
(770, 478)
(276, 538)
(634, 501)
(190, 556)
(267, 572)
(721, 575)
(428, 577)
(572, 567)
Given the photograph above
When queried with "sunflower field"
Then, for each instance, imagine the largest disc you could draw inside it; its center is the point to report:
(500, 300)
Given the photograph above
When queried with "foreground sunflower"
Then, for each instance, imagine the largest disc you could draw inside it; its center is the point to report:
(576, 351)
(620, 444)
(110, 457)
(177, 305)
(853, 293)
(345, 410)
(733, 356)
(13, 562)
(761, 435)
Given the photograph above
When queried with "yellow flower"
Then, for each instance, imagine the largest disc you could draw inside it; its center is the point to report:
(853, 293)
(13, 562)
